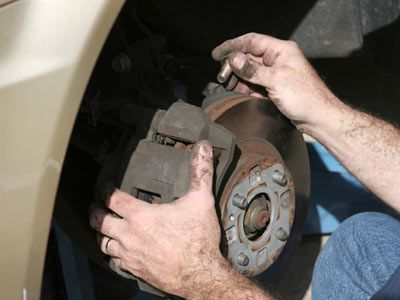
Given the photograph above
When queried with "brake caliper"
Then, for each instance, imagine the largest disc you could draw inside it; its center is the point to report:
(159, 168)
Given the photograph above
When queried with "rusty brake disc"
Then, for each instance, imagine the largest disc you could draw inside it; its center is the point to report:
(263, 202)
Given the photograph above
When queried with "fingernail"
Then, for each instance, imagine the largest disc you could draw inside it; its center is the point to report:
(238, 60)
(205, 149)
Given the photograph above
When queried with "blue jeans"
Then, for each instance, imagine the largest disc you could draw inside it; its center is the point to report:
(359, 259)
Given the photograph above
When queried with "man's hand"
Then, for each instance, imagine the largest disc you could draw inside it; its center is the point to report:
(174, 246)
(367, 146)
(280, 67)
(165, 244)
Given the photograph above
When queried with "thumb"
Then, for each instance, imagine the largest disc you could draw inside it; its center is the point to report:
(201, 173)
(250, 70)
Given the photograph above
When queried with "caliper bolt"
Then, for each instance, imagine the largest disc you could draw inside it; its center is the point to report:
(279, 178)
(242, 259)
(281, 234)
(239, 201)
(121, 63)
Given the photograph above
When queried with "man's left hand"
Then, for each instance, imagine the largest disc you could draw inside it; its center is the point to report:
(171, 246)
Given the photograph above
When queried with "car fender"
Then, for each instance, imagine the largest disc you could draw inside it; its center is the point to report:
(47, 52)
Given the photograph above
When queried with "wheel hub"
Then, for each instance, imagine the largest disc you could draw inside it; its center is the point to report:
(257, 216)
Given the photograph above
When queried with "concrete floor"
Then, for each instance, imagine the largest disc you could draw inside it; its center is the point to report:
(296, 284)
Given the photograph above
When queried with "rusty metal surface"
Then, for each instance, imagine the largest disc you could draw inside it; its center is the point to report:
(266, 140)
(249, 118)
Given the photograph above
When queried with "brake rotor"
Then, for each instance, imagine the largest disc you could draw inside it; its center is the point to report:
(263, 201)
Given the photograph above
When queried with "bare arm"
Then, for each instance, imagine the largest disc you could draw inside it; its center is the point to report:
(225, 283)
(368, 147)
(174, 246)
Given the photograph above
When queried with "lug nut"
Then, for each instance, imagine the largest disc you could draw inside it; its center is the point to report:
(239, 201)
(281, 234)
(279, 178)
(242, 259)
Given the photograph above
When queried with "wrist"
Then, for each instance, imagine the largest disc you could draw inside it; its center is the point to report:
(206, 276)
(327, 119)
(220, 281)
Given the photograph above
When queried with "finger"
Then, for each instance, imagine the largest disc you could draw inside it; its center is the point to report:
(106, 191)
(247, 88)
(105, 222)
(243, 88)
(116, 262)
(123, 204)
(249, 70)
(110, 246)
(201, 167)
(257, 95)
(254, 43)
(258, 59)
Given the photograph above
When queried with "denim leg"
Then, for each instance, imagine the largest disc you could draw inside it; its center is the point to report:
(358, 258)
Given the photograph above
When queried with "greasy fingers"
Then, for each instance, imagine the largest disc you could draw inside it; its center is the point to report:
(250, 70)
(254, 43)
(201, 173)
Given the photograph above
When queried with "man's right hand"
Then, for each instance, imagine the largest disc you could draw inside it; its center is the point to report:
(367, 146)
(281, 68)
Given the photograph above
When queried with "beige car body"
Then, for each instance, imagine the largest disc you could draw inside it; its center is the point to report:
(47, 52)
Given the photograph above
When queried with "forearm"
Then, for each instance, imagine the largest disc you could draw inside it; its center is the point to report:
(367, 146)
(220, 281)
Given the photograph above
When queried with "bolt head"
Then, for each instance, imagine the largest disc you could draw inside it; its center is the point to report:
(121, 63)
(262, 219)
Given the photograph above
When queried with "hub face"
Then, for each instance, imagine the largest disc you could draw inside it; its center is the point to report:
(257, 232)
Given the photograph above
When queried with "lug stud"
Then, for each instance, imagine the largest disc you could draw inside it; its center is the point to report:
(243, 259)
(239, 201)
(281, 234)
(279, 178)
